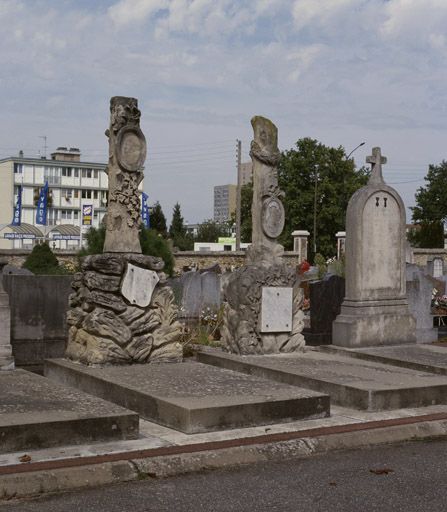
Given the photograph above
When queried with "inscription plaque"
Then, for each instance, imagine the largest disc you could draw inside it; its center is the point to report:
(272, 217)
(131, 148)
(276, 309)
(138, 285)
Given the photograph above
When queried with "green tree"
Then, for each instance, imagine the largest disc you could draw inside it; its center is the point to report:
(158, 219)
(427, 235)
(310, 169)
(42, 260)
(152, 243)
(431, 204)
(177, 231)
(210, 231)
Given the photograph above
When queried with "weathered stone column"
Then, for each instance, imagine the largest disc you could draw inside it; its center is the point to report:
(127, 153)
(263, 299)
(122, 308)
(6, 357)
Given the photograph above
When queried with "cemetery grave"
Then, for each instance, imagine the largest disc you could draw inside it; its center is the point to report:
(123, 314)
(124, 357)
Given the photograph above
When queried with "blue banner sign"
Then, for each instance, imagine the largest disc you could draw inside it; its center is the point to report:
(145, 210)
(41, 215)
(17, 220)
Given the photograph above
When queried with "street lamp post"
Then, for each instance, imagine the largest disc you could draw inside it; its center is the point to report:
(357, 147)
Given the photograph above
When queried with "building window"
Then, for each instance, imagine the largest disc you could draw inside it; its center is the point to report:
(86, 173)
(95, 174)
(95, 194)
(18, 168)
(76, 194)
(86, 194)
(66, 214)
(76, 215)
(67, 193)
(66, 171)
(76, 173)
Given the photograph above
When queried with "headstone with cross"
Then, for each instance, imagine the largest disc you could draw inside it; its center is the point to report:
(375, 309)
(376, 160)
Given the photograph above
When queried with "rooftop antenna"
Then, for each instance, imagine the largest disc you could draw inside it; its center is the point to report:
(44, 137)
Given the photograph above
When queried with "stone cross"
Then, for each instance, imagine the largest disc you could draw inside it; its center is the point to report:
(127, 153)
(376, 160)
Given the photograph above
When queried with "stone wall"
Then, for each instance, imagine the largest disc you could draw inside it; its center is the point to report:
(227, 260)
(38, 311)
(17, 257)
(422, 256)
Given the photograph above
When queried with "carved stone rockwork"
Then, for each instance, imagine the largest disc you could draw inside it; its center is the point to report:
(242, 331)
(106, 328)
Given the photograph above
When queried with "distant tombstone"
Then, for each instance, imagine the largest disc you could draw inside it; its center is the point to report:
(436, 267)
(11, 269)
(419, 291)
(211, 289)
(191, 294)
(375, 309)
(326, 297)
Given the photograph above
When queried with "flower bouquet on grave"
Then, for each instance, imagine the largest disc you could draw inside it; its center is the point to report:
(439, 305)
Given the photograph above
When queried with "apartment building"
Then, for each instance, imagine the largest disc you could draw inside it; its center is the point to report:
(72, 185)
(224, 202)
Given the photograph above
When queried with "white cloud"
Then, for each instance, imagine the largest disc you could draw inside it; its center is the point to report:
(126, 12)
(308, 12)
(202, 68)
(415, 22)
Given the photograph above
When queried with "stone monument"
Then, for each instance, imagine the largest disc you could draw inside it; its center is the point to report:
(263, 299)
(6, 357)
(122, 309)
(375, 309)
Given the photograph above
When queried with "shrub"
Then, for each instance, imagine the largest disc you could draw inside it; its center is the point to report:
(42, 260)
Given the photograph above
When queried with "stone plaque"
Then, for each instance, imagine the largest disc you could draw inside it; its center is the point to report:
(131, 148)
(272, 217)
(276, 309)
(138, 285)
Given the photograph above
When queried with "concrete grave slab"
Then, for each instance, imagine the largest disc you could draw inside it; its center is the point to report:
(37, 413)
(425, 358)
(193, 397)
(349, 382)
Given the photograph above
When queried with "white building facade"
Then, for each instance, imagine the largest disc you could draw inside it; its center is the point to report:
(72, 185)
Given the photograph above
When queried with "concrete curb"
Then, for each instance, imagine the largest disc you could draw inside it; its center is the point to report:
(33, 479)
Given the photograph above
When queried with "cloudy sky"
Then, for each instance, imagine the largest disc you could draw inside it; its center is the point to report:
(340, 71)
